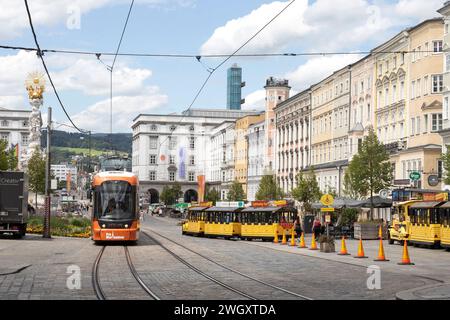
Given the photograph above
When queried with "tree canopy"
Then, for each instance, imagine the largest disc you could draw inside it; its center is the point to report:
(268, 189)
(36, 172)
(170, 195)
(236, 192)
(446, 166)
(212, 195)
(307, 190)
(8, 159)
(370, 169)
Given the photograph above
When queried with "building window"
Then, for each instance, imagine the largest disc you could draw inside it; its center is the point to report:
(413, 121)
(192, 160)
(418, 125)
(5, 123)
(447, 62)
(413, 89)
(4, 136)
(152, 175)
(172, 143)
(445, 111)
(192, 142)
(153, 127)
(153, 142)
(191, 176)
(171, 176)
(436, 122)
(425, 85)
(437, 46)
(25, 138)
(437, 83)
(25, 123)
(152, 159)
(171, 159)
(425, 122)
(440, 167)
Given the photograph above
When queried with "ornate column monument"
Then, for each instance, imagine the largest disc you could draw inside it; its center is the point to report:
(35, 85)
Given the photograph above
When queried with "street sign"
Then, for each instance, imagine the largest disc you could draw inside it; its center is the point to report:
(327, 209)
(280, 203)
(327, 199)
(383, 193)
(327, 218)
(433, 180)
(182, 205)
(54, 184)
(414, 176)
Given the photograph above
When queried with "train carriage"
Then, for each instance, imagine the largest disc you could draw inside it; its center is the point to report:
(222, 222)
(444, 216)
(115, 207)
(425, 223)
(195, 224)
(264, 222)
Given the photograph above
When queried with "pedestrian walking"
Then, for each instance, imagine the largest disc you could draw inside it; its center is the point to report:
(317, 227)
(297, 226)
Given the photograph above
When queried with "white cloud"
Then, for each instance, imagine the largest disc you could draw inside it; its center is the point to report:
(316, 69)
(96, 81)
(12, 102)
(125, 109)
(322, 25)
(255, 101)
(287, 27)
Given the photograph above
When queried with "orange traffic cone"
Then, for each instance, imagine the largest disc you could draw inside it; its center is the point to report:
(343, 251)
(313, 243)
(405, 257)
(275, 237)
(381, 256)
(292, 244)
(302, 242)
(283, 240)
(360, 250)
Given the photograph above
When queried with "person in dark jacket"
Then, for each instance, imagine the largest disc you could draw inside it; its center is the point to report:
(317, 227)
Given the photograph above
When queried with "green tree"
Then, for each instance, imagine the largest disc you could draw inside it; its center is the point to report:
(170, 195)
(212, 195)
(307, 190)
(446, 166)
(36, 173)
(236, 192)
(268, 189)
(8, 159)
(370, 169)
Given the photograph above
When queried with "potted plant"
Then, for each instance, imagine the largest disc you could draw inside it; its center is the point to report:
(326, 243)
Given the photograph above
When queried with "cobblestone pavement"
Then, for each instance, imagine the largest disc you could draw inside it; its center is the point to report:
(36, 268)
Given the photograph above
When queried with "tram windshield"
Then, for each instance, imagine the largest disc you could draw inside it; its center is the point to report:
(115, 200)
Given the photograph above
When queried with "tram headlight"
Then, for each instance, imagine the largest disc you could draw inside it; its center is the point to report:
(126, 226)
(103, 226)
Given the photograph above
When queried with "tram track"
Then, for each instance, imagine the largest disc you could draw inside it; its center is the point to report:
(98, 290)
(220, 265)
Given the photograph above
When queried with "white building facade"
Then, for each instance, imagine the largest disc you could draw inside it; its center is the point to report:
(178, 148)
(14, 127)
(62, 171)
(256, 148)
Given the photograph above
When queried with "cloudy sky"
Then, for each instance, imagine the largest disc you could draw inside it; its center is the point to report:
(199, 27)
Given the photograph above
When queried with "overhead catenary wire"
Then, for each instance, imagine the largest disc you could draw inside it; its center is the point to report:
(111, 69)
(210, 73)
(40, 55)
(219, 55)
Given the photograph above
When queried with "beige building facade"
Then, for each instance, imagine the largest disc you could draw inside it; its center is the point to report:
(408, 102)
(293, 118)
(330, 125)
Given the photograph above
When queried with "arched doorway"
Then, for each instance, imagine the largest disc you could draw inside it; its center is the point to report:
(190, 195)
(153, 196)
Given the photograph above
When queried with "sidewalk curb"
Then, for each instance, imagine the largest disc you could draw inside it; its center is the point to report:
(410, 294)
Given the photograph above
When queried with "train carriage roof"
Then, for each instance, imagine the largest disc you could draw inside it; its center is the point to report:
(223, 209)
(445, 205)
(424, 204)
(197, 208)
(265, 209)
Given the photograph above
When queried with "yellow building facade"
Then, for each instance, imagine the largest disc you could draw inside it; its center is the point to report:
(241, 147)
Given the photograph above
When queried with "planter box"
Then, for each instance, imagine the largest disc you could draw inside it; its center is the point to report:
(368, 231)
(327, 247)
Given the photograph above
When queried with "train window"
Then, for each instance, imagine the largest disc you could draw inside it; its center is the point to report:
(115, 200)
(434, 217)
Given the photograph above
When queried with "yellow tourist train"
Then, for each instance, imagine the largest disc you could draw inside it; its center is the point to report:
(422, 222)
(263, 220)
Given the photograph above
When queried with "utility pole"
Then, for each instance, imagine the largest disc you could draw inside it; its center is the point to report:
(46, 233)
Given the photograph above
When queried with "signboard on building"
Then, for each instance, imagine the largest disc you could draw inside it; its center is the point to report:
(327, 199)
(415, 176)
(402, 182)
(280, 203)
(260, 203)
(433, 180)
(230, 204)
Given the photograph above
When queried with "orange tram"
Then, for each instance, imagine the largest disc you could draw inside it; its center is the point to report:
(115, 214)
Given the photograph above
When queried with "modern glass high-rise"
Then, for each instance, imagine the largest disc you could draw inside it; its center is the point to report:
(234, 87)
